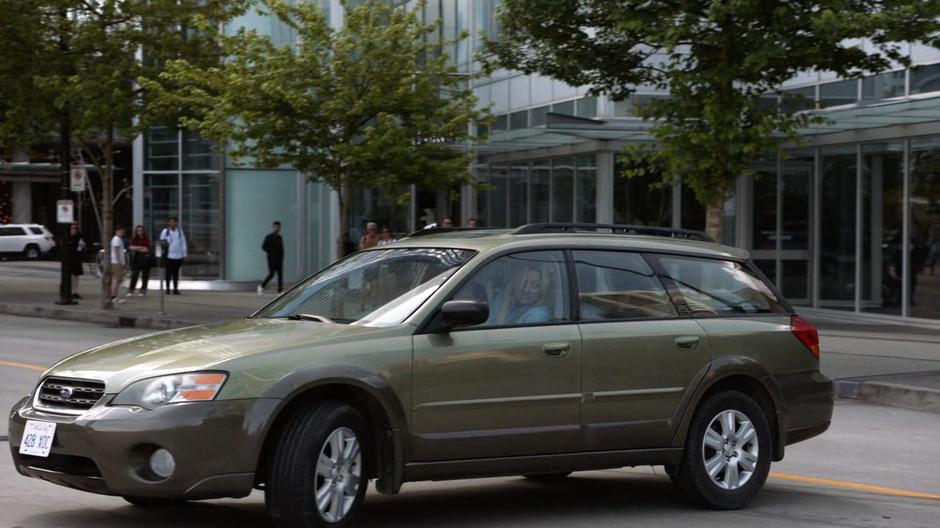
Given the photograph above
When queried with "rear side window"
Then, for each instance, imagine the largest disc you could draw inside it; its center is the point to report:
(616, 285)
(11, 231)
(719, 287)
(36, 230)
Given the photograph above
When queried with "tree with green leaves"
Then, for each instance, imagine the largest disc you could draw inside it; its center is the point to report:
(71, 67)
(716, 60)
(372, 104)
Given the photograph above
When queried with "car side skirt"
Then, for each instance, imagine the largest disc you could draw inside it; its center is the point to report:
(535, 464)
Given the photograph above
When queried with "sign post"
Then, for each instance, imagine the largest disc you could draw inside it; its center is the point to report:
(159, 248)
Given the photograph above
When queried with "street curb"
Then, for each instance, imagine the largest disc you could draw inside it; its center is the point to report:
(889, 393)
(93, 316)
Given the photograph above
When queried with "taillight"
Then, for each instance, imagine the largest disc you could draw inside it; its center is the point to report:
(806, 333)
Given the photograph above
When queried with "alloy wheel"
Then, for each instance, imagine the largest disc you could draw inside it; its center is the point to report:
(339, 474)
(730, 449)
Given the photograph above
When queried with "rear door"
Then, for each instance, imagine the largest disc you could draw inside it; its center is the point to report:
(640, 358)
(512, 385)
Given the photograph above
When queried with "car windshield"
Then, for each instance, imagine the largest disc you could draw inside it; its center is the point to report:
(370, 288)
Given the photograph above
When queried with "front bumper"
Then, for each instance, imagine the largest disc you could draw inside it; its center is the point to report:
(216, 446)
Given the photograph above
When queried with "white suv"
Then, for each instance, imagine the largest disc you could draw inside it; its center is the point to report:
(29, 240)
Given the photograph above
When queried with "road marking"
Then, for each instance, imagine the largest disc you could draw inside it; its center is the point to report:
(27, 366)
(855, 486)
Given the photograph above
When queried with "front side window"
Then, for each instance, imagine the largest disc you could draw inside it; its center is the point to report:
(719, 287)
(11, 231)
(371, 288)
(521, 289)
(616, 285)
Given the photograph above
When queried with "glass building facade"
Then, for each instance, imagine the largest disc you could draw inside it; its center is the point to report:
(849, 220)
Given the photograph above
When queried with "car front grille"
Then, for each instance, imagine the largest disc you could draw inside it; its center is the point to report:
(69, 396)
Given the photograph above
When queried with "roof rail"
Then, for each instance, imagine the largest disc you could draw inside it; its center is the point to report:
(437, 230)
(615, 229)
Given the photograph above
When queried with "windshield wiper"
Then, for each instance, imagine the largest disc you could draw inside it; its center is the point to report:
(309, 317)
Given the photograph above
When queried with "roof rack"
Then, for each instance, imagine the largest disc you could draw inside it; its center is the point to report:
(616, 229)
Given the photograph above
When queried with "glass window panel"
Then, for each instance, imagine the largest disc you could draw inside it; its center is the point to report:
(794, 283)
(161, 201)
(586, 210)
(519, 120)
(566, 108)
(796, 171)
(837, 228)
(253, 200)
(587, 107)
(882, 216)
(498, 196)
(538, 116)
(693, 212)
(463, 25)
(764, 211)
(500, 123)
(925, 228)
(521, 289)
(767, 101)
(719, 287)
(768, 267)
(518, 195)
(198, 153)
(925, 79)
(200, 220)
(797, 99)
(883, 86)
(161, 149)
(616, 285)
(641, 200)
(540, 199)
(838, 93)
(563, 190)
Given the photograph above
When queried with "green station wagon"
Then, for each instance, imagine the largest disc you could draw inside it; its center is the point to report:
(451, 354)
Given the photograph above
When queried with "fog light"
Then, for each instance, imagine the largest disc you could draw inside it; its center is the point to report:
(162, 463)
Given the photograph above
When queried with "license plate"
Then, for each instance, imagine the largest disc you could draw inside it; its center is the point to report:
(37, 438)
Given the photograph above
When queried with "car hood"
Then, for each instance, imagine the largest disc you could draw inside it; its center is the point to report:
(198, 348)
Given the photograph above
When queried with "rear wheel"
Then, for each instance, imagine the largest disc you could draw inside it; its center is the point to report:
(727, 453)
(319, 474)
(32, 252)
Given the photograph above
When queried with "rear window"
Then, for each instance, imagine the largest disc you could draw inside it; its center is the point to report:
(719, 287)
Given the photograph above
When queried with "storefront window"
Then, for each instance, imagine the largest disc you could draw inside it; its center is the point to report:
(518, 194)
(586, 209)
(641, 200)
(161, 149)
(540, 193)
(563, 190)
(882, 217)
(764, 211)
(498, 195)
(161, 201)
(200, 219)
(837, 228)
(254, 199)
(796, 174)
(925, 228)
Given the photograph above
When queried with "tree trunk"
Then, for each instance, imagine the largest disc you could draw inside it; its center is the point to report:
(713, 217)
(107, 215)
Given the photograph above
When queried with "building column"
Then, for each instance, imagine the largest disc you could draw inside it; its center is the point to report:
(468, 203)
(22, 202)
(605, 187)
(137, 179)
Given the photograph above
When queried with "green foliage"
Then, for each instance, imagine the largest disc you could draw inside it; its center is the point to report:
(716, 59)
(371, 104)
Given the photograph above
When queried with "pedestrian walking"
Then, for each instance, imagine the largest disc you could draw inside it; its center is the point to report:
(118, 262)
(141, 260)
(472, 222)
(76, 250)
(371, 238)
(175, 251)
(447, 222)
(273, 246)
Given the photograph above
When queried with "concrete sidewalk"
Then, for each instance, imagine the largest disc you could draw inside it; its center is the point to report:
(876, 362)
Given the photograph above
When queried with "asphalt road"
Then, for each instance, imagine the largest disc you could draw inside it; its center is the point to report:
(864, 472)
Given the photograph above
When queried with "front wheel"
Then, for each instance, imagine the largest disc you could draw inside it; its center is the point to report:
(32, 252)
(727, 453)
(319, 474)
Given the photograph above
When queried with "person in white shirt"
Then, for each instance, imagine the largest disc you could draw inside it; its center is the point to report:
(174, 244)
(118, 262)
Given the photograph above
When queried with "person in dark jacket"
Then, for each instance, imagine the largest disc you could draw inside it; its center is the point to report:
(274, 246)
(141, 260)
(76, 252)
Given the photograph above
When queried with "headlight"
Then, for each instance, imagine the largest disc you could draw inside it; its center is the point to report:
(154, 392)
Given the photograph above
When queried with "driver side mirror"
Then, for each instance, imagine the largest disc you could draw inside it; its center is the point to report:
(464, 313)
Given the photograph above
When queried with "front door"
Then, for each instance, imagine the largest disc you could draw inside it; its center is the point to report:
(639, 357)
(510, 386)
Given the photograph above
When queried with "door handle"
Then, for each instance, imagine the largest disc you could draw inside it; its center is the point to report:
(687, 342)
(556, 350)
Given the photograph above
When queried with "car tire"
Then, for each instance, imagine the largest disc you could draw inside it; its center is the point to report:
(548, 477)
(728, 470)
(319, 472)
(32, 252)
(154, 502)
